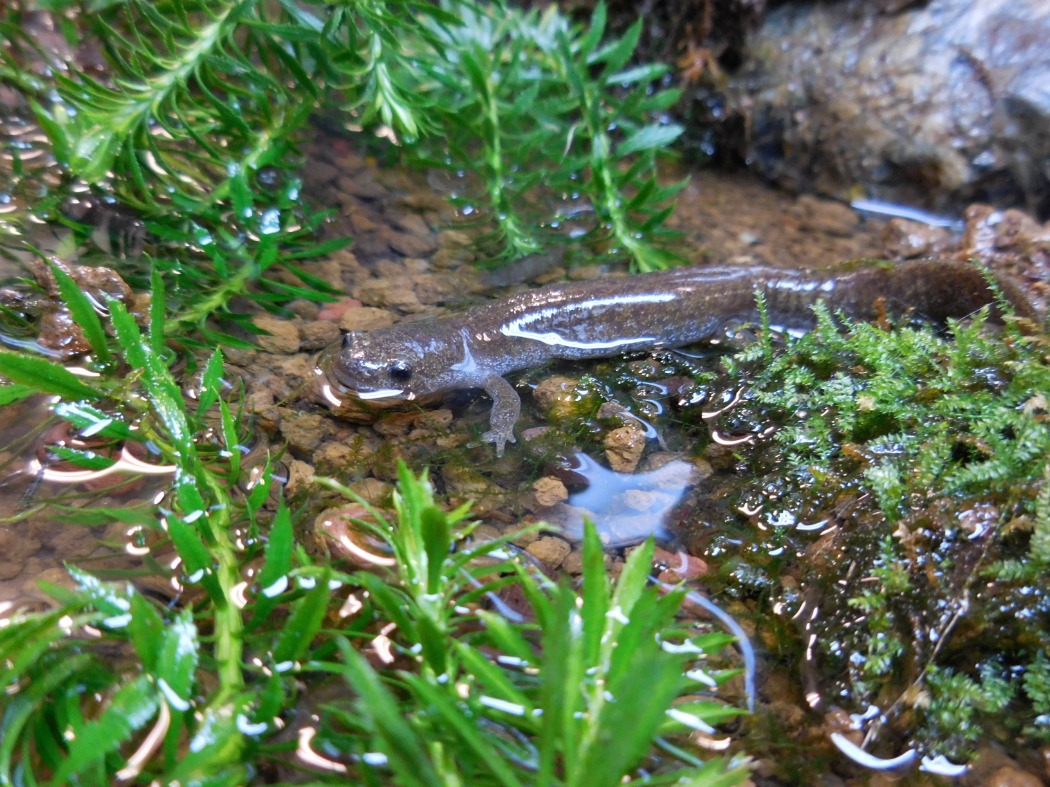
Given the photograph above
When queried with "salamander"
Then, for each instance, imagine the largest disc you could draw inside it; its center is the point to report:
(609, 316)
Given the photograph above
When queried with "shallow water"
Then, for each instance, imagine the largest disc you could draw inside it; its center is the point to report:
(672, 469)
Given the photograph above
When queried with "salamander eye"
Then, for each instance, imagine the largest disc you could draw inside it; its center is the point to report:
(399, 370)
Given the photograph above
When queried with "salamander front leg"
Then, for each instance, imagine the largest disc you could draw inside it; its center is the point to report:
(506, 407)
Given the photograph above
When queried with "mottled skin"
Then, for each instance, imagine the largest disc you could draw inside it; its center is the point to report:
(592, 319)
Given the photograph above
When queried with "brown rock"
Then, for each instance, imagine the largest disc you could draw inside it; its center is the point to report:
(624, 447)
(548, 491)
(549, 550)
(909, 239)
(413, 224)
(362, 186)
(563, 398)
(300, 477)
(372, 490)
(826, 217)
(304, 431)
(329, 271)
(678, 567)
(281, 337)
(318, 335)
(365, 318)
(1010, 776)
(389, 293)
(573, 563)
(16, 546)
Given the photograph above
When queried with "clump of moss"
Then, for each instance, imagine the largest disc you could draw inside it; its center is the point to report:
(928, 453)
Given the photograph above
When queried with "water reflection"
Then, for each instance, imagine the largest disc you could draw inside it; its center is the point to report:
(626, 508)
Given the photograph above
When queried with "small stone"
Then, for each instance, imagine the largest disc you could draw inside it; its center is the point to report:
(332, 457)
(361, 222)
(431, 289)
(454, 239)
(410, 245)
(318, 335)
(825, 216)
(371, 245)
(679, 567)
(296, 371)
(372, 490)
(318, 172)
(549, 550)
(239, 356)
(413, 224)
(573, 563)
(300, 477)
(624, 447)
(563, 398)
(329, 271)
(333, 312)
(395, 424)
(388, 293)
(588, 272)
(548, 491)
(304, 431)
(614, 412)
(304, 309)
(281, 337)
(452, 258)
(363, 186)
(1010, 776)
(524, 538)
(905, 239)
(16, 546)
(434, 419)
(465, 482)
(365, 318)
(258, 399)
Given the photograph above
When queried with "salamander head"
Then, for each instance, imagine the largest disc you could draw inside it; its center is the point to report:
(376, 367)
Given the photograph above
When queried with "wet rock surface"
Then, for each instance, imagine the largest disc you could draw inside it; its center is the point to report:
(931, 104)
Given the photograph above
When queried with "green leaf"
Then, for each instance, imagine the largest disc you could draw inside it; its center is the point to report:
(211, 383)
(215, 753)
(45, 376)
(110, 599)
(595, 593)
(164, 394)
(9, 394)
(617, 52)
(157, 304)
(298, 632)
(708, 712)
(88, 460)
(437, 540)
(92, 422)
(177, 660)
(649, 138)
(384, 720)
(129, 709)
(450, 716)
(19, 708)
(146, 629)
(277, 562)
(83, 313)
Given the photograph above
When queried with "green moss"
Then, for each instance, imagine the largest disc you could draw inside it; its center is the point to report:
(929, 450)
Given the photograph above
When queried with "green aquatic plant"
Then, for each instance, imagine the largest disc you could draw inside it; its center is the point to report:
(436, 680)
(929, 451)
(558, 113)
(199, 97)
